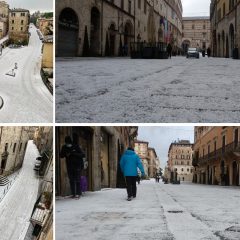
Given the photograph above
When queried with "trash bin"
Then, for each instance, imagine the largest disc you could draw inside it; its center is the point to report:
(235, 53)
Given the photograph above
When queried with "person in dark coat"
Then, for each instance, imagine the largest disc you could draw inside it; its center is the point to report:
(130, 163)
(74, 162)
(209, 51)
(169, 50)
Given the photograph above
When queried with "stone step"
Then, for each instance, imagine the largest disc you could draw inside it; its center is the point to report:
(3, 181)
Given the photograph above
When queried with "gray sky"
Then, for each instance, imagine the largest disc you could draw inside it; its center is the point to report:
(196, 8)
(160, 138)
(32, 5)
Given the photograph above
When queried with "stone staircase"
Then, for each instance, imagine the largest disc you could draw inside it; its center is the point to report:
(3, 180)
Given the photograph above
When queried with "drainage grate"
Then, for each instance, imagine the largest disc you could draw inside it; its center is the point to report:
(175, 211)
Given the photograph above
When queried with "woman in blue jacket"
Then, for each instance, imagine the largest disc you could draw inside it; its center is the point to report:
(129, 164)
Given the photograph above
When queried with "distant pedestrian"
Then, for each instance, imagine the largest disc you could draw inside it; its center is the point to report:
(169, 50)
(74, 162)
(203, 53)
(130, 163)
(209, 51)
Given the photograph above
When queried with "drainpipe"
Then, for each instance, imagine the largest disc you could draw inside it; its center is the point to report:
(102, 29)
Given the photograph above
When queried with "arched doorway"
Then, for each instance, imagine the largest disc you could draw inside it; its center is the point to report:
(232, 40)
(235, 174)
(185, 46)
(219, 46)
(227, 47)
(68, 28)
(223, 43)
(112, 38)
(128, 36)
(95, 32)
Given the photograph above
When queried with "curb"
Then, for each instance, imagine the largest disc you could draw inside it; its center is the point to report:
(1, 102)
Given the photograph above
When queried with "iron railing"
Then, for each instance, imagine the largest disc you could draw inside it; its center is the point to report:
(219, 153)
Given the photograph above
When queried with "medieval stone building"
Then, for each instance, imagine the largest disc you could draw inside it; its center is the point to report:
(225, 27)
(180, 161)
(103, 147)
(13, 144)
(106, 28)
(196, 33)
(148, 157)
(217, 155)
(19, 20)
(4, 12)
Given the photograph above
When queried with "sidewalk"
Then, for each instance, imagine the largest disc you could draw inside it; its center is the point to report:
(163, 212)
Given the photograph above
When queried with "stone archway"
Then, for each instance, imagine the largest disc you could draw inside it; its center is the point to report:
(231, 36)
(68, 29)
(112, 39)
(219, 45)
(185, 45)
(227, 47)
(128, 37)
(223, 43)
(95, 32)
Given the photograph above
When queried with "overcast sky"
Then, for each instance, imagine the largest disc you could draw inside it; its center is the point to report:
(196, 7)
(160, 138)
(32, 5)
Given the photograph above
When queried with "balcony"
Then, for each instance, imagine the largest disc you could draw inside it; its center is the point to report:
(223, 152)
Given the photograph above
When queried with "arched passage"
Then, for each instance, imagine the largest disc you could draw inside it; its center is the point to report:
(95, 32)
(112, 39)
(185, 45)
(231, 36)
(68, 28)
(219, 45)
(227, 47)
(223, 43)
(128, 37)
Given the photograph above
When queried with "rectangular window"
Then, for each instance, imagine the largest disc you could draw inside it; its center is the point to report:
(20, 147)
(6, 146)
(14, 147)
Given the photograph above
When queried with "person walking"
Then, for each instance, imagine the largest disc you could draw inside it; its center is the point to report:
(74, 162)
(209, 51)
(169, 50)
(130, 163)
